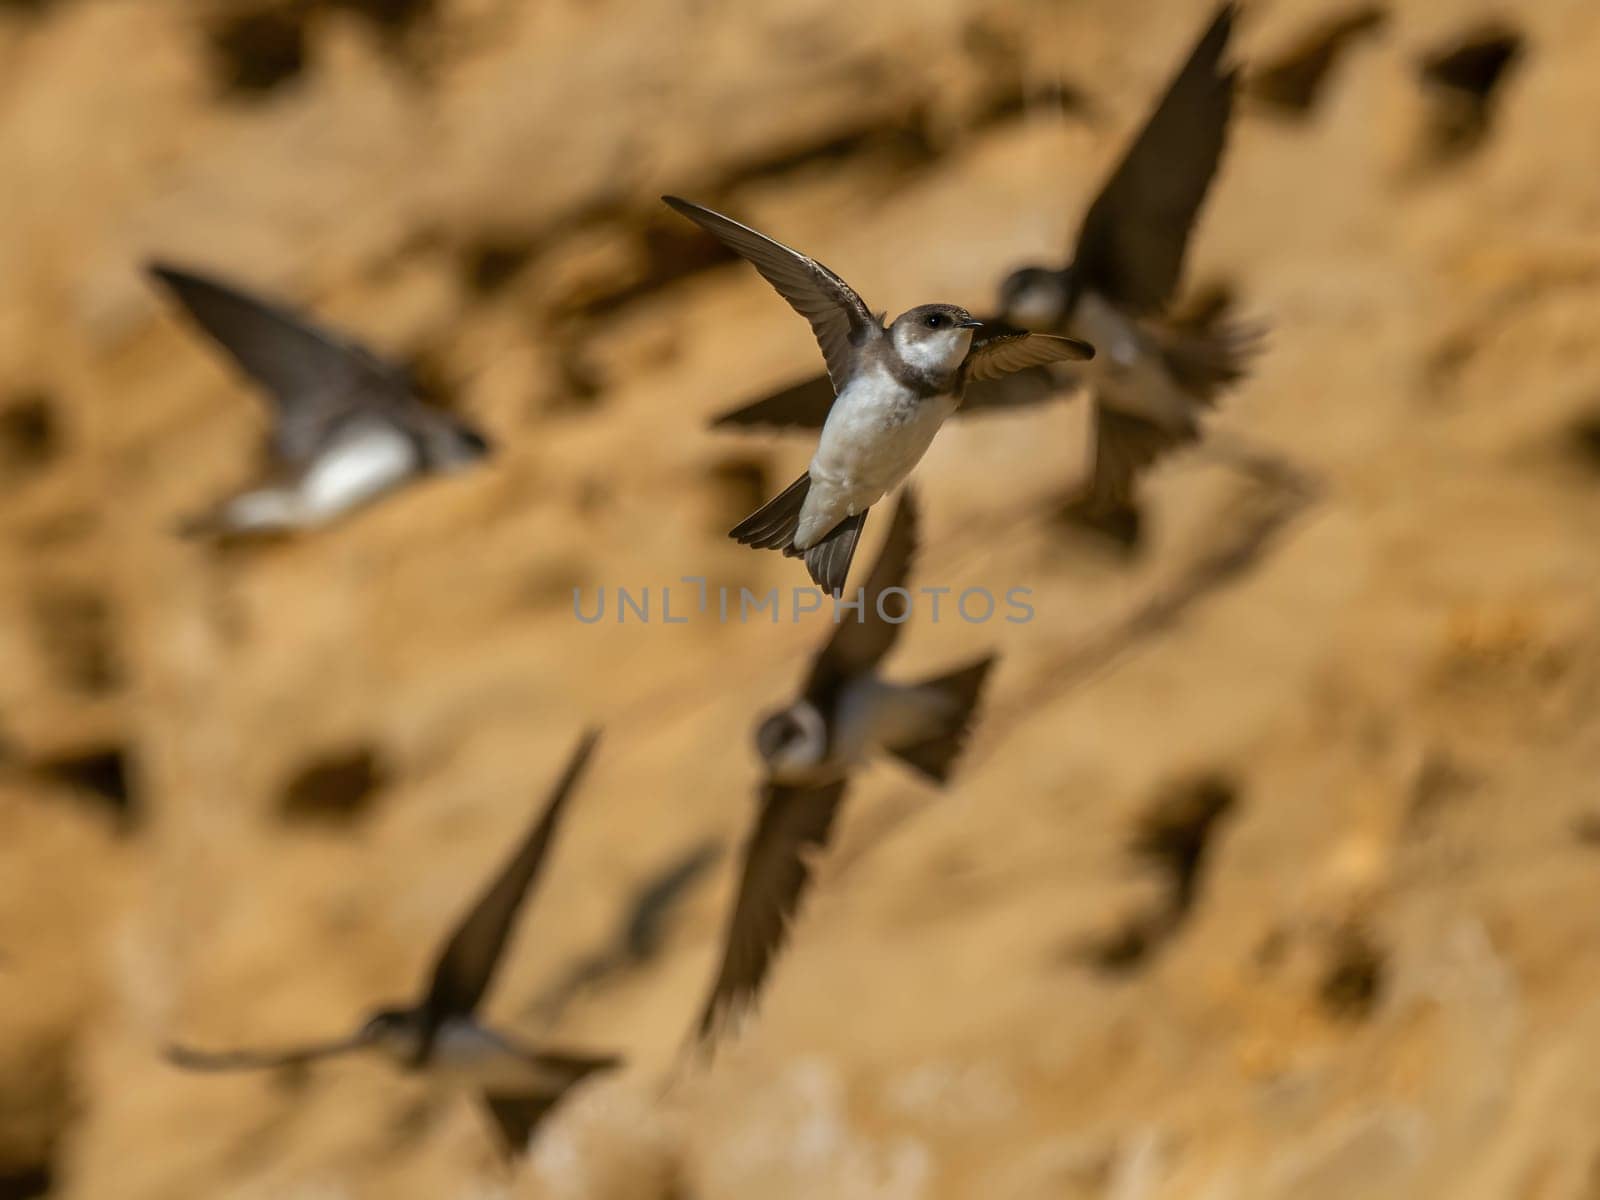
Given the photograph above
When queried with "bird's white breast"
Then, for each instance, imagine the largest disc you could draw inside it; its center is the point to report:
(469, 1056)
(355, 469)
(262, 510)
(876, 432)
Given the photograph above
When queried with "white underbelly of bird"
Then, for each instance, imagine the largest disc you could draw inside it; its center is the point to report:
(1129, 372)
(876, 432)
(468, 1056)
(356, 470)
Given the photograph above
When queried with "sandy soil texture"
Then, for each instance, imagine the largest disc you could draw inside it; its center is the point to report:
(1272, 869)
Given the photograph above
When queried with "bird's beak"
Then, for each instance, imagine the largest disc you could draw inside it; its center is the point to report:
(974, 323)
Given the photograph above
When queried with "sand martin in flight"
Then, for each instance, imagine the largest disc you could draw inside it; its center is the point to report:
(440, 1033)
(349, 425)
(1154, 375)
(845, 714)
(895, 385)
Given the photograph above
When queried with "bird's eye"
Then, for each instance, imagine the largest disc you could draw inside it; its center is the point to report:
(934, 321)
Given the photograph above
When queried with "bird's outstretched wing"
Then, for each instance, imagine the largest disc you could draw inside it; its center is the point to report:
(313, 375)
(191, 1059)
(467, 965)
(838, 317)
(1133, 239)
(805, 405)
(999, 349)
(794, 823)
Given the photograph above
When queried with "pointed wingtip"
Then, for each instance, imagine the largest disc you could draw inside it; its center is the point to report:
(587, 741)
(698, 213)
(184, 283)
(1221, 28)
(187, 1058)
(168, 274)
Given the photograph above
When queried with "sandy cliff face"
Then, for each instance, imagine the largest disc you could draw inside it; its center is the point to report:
(1271, 871)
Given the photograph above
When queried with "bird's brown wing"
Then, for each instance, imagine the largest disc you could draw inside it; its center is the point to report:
(838, 317)
(860, 640)
(1133, 239)
(1125, 446)
(1027, 388)
(467, 965)
(805, 405)
(794, 823)
(191, 1059)
(313, 375)
(999, 349)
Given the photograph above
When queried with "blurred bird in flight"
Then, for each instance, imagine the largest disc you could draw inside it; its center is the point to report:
(845, 714)
(440, 1033)
(1155, 373)
(348, 425)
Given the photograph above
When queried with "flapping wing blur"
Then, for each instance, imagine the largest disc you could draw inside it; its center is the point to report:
(803, 405)
(1132, 242)
(1125, 446)
(312, 374)
(467, 966)
(794, 823)
(191, 1059)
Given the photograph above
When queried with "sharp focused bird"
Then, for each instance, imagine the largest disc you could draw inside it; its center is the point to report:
(895, 386)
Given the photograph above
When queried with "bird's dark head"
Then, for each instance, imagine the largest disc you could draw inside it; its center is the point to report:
(934, 338)
(1036, 298)
(451, 444)
(395, 1031)
(792, 740)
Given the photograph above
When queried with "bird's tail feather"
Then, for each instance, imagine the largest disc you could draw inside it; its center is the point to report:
(828, 562)
(774, 524)
(517, 1114)
(935, 755)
